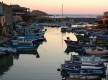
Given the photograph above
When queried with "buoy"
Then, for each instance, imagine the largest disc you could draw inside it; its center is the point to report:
(58, 69)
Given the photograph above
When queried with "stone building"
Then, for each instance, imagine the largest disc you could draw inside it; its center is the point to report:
(103, 20)
(7, 12)
(5, 18)
(18, 12)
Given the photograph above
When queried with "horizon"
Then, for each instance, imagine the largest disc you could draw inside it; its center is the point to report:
(69, 7)
(76, 14)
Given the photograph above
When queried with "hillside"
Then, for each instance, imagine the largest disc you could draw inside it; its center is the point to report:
(38, 13)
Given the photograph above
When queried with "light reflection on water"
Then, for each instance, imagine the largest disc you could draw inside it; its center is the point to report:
(39, 65)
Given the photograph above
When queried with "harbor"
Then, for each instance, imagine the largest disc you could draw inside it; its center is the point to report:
(66, 40)
(42, 63)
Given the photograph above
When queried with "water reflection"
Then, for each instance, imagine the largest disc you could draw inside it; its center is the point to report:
(34, 52)
(69, 50)
(6, 62)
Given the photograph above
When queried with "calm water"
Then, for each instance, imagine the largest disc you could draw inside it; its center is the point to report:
(39, 65)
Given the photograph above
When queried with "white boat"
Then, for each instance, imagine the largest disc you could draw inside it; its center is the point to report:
(64, 28)
(88, 59)
(21, 40)
(97, 50)
(24, 44)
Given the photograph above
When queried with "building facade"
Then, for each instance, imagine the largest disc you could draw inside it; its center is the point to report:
(103, 20)
(6, 11)
(18, 12)
(5, 18)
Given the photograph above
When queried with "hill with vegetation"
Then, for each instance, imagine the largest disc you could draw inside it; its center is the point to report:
(38, 13)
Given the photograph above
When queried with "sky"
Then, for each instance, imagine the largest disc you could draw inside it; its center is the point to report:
(69, 6)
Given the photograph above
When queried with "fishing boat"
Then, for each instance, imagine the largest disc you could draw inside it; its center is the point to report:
(73, 44)
(82, 77)
(96, 50)
(88, 59)
(8, 50)
(69, 71)
(24, 44)
(77, 44)
(79, 63)
(82, 67)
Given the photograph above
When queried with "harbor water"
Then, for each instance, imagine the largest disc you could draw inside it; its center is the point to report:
(41, 64)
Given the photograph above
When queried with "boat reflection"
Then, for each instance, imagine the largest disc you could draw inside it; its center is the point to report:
(31, 52)
(80, 51)
(69, 49)
(34, 52)
(6, 62)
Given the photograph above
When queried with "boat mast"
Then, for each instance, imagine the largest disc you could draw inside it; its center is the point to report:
(62, 13)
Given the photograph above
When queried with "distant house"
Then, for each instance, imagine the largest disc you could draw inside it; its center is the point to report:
(5, 17)
(103, 20)
(6, 13)
(18, 12)
(106, 13)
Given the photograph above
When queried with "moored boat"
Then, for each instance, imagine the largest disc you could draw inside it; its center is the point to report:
(83, 77)
(96, 50)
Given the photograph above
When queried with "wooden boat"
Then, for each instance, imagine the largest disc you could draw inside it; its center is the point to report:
(87, 38)
(64, 28)
(77, 44)
(96, 50)
(82, 72)
(8, 50)
(72, 44)
(88, 59)
(26, 47)
(82, 77)
(84, 63)
(24, 44)
(82, 67)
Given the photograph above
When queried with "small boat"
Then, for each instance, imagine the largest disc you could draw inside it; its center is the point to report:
(8, 50)
(88, 59)
(83, 77)
(64, 28)
(24, 44)
(77, 44)
(82, 67)
(96, 50)
(21, 40)
(70, 43)
(26, 47)
(73, 44)
(84, 63)
(82, 72)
